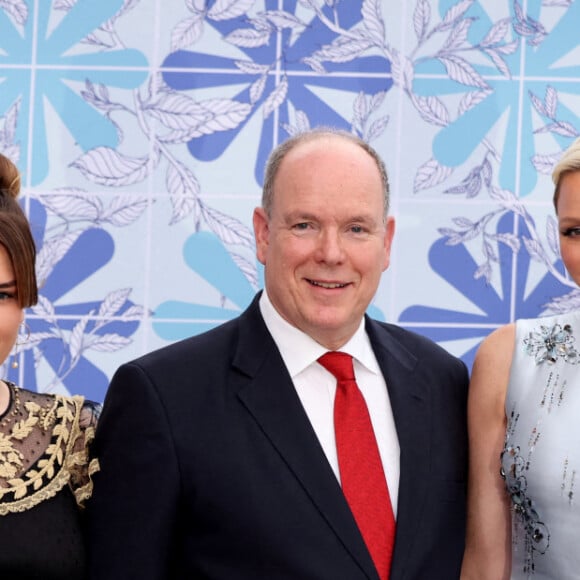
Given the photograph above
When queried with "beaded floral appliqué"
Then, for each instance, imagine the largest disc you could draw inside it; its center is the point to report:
(536, 533)
(549, 344)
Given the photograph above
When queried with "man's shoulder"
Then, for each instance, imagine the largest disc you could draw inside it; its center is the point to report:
(211, 341)
(418, 345)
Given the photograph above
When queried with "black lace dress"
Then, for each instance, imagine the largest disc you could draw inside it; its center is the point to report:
(45, 476)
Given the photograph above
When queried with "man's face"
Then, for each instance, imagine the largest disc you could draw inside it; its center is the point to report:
(326, 241)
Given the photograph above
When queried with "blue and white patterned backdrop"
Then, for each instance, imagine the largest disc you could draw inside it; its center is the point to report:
(141, 128)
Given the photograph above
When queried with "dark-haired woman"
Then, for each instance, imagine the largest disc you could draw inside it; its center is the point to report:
(44, 467)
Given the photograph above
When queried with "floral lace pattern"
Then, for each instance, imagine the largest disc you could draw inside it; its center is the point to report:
(43, 447)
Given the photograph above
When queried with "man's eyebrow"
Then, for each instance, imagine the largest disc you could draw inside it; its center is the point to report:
(8, 284)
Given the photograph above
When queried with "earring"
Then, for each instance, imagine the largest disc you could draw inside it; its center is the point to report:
(18, 343)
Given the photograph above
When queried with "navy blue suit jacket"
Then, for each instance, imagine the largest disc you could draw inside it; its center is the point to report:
(210, 467)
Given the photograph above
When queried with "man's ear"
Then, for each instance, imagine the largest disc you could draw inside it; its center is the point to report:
(261, 233)
(389, 233)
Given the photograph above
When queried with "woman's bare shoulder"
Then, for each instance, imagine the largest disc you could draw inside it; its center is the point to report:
(493, 361)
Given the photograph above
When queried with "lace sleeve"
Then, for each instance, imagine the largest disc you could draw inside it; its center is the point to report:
(81, 465)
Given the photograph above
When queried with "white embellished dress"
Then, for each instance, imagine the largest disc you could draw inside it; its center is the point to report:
(541, 459)
(44, 479)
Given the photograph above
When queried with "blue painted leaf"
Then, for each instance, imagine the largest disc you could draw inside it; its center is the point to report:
(551, 102)
(186, 32)
(377, 128)
(552, 235)
(257, 89)
(534, 249)
(52, 251)
(106, 166)
(177, 111)
(458, 36)
(344, 49)
(227, 228)
(17, 9)
(496, 33)
(112, 302)
(471, 100)
(248, 37)
(430, 174)
(421, 18)
(538, 104)
(544, 164)
(455, 13)
(108, 342)
(252, 67)
(282, 19)
(498, 61)
(124, 210)
(76, 342)
(73, 204)
(228, 9)
(373, 20)
(361, 110)
(461, 71)
(44, 309)
(432, 110)
(276, 97)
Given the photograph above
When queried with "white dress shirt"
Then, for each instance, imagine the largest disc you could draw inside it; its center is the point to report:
(316, 388)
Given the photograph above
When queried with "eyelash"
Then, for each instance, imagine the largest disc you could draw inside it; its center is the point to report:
(302, 226)
(571, 232)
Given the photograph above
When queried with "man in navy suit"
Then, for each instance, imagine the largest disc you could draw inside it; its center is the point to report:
(218, 454)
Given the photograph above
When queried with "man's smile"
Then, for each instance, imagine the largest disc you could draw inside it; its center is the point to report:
(328, 285)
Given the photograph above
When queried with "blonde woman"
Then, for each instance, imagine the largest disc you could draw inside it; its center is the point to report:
(524, 431)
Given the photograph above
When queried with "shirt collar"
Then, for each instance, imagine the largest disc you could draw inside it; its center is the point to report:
(299, 350)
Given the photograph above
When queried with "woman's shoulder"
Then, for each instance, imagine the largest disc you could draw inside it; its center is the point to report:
(86, 412)
(498, 345)
(47, 436)
(491, 369)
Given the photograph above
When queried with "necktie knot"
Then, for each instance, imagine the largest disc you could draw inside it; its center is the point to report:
(339, 364)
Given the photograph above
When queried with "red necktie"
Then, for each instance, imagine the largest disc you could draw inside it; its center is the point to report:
(361, 471)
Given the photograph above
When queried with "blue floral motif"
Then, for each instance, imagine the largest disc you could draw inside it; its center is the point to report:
(549, 344)
(456, 265)
(527, 66)
(45, 56)
(207, 256)
(61, 333)
(282, 51)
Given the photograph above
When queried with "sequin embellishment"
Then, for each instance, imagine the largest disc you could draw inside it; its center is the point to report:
(536, 533)
(550, 344)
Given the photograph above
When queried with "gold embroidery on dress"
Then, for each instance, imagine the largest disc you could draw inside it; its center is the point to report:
(56, 421)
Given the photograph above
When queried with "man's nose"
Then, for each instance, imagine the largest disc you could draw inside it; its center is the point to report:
(330, 247)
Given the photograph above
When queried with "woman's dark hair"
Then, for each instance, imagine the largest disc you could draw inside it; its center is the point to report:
(15, 234)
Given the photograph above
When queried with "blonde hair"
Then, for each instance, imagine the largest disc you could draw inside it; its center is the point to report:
(569, 162)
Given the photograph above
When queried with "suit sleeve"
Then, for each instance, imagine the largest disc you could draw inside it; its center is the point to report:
(132, 513)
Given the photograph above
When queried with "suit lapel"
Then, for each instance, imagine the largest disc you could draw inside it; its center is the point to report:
(410, 401)
(266, 390)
